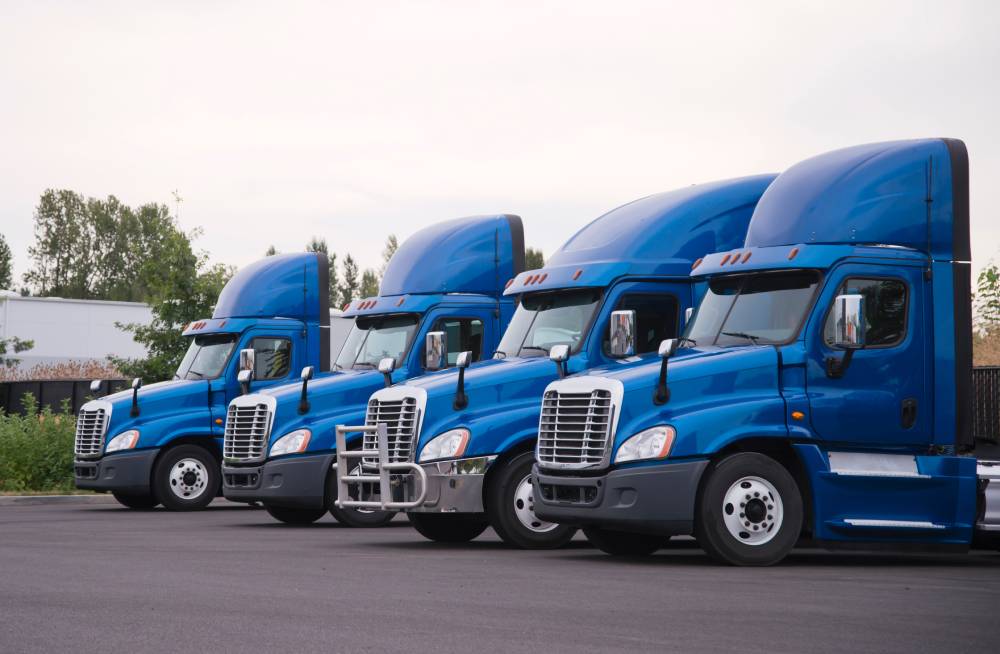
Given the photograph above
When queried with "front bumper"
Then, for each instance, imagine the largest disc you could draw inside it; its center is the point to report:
(128, 472)
(655, 499)
(298, 482)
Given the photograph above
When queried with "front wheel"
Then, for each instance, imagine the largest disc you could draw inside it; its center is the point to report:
(749, 511)
(135, 501)
(294, 516)
(448, 527)
(510, 505)
(622, 543)
(354, 517)
(186, 478)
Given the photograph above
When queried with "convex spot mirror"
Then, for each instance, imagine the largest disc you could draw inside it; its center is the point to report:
(436, 350)
(849, 321)
(621, 335)
(668, 347)
(559, 353)
(464, 359)
(307, 373)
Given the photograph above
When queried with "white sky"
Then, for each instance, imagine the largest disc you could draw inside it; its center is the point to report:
(278, 121)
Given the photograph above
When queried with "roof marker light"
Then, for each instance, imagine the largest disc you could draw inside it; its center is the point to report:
(577, 274)
(746, 257)
(794, 252)
(509, 282)
(725, 260)
(736, 259)
(400, 303)
(529, 280)
(544, 275)
(222, 323)
(697, 262)
(346, 306)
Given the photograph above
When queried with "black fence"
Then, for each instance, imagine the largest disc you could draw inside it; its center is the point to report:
(986, 403)
(52, 393)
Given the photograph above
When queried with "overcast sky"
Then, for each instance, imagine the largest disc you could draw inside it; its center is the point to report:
(280, 121)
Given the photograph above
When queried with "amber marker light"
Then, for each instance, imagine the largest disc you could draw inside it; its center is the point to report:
(697, 262)
(798, 415)
(746, 257)
(400, 303)
(793, 253)
(577, 274)
(725, 260)
(218, 421)
(543, 277)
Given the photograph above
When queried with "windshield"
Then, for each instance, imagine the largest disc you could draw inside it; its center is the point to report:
(763, 308)
(206, 356)
(546, 319)
(375, 338)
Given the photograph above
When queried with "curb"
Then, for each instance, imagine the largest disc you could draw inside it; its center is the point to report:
(95, 498)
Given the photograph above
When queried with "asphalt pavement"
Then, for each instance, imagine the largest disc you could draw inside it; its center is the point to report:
(96, 578)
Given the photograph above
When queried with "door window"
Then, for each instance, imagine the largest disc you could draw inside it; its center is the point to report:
(272, 357)
(655, 319)
(884, 310)
(463, 335)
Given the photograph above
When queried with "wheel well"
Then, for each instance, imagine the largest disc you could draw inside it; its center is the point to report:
(781, 451)
(527, 445)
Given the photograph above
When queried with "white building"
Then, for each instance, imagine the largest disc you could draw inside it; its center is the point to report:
(70, 330)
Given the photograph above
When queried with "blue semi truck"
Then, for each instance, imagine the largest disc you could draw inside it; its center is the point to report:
(456, 447)
(822, 389)
(161, 443)
(279, 446)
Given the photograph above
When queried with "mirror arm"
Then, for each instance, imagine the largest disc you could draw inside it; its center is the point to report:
(388, 379)
(134, 413)
(662, 393)
(304, 398)
(461, 400)
(835, 368)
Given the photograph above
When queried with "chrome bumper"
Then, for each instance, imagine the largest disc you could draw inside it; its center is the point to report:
(440, 487)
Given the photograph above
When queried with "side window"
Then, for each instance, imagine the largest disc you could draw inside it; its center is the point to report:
(272, 357)
(655, 319)
(464, 334)
(885, 310)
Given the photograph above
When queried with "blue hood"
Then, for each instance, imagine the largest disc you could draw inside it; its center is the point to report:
(166, 410)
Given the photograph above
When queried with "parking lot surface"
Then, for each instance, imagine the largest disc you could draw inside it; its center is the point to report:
(90, 577)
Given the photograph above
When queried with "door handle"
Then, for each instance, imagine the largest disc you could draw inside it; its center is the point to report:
(909, 412)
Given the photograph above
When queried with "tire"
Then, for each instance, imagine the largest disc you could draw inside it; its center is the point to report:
(138, 502)
(510, 508)
(186, 478)
(294, 516)
(623, 543)
(354, 517)
(749, 511)
(448, 527)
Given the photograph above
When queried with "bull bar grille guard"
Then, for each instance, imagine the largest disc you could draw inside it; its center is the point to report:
(385, 468)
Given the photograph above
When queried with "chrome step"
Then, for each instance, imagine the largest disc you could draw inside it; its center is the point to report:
(989, 474)
(893, 524)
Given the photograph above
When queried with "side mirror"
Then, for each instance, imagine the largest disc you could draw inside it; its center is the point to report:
(622, 334)
(688, 313)
(305, 376)
(560, 355)
(849, 321)
(436, 350)
(386, 366)
(667, 349)
(244, 377)
(247, 359)
(95, 387)
(136, 385)
(462, 362)
(848, 331)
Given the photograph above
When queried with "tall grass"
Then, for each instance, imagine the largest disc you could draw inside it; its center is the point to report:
(36, 451)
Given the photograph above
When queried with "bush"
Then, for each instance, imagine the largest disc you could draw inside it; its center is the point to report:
(36, 451)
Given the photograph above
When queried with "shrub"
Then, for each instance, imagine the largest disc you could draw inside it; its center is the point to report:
(36, 451)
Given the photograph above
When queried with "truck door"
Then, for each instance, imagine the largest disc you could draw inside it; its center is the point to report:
(468, 329)
(883, 397)
(275, 363)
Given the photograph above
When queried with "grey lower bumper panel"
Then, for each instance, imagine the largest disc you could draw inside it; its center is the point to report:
(126, 473)
(298, 482)
(655, 499)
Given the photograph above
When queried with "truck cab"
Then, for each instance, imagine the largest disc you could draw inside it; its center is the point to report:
(161, 443)
(822, 388)
(611, 293)
(280, 443)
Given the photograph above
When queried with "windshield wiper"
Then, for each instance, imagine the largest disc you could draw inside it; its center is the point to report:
(503, 355)
(365, 364)
(535, 348)
(750, 337)
(685, 339)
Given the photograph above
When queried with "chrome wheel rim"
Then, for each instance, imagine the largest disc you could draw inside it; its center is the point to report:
(752, 511)
(188, 479)
(524, 508)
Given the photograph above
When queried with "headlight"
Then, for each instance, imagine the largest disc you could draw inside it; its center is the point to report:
(652, 443)
(291, 442)
(448, 445)
(123, 441)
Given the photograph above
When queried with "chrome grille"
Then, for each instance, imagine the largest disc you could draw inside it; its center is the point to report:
(247, 427)
(574, 428)
(400, 418)
(90, 427)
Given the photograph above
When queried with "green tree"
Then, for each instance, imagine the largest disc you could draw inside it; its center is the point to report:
(369, 283)
(391, 245)
(62, 256)
(988, 297)
(349, 287)
(179, 297)
(6, 264)
(533, 259)
(319, 245)
(15, 345)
